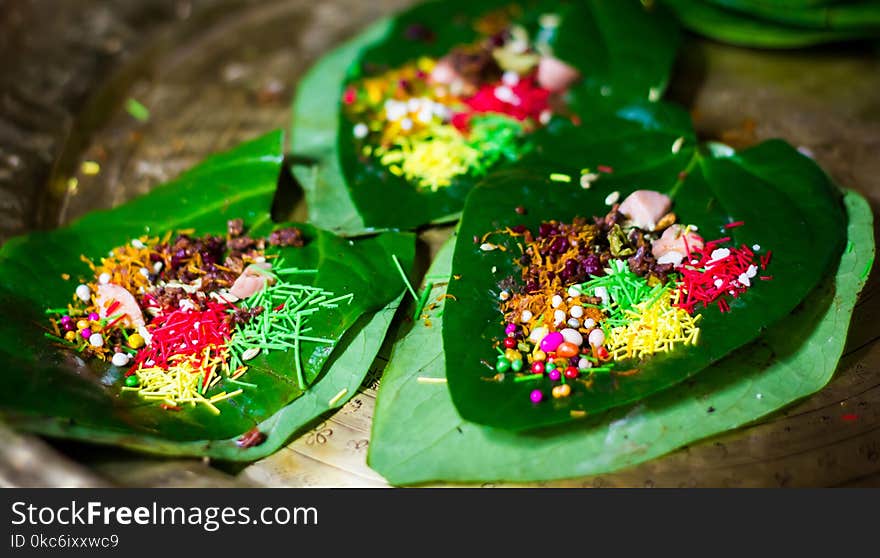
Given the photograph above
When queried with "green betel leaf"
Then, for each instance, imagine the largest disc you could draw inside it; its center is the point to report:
(418, 436)
(61, 394)
(789, 208)
(776, 27)
(623, 51)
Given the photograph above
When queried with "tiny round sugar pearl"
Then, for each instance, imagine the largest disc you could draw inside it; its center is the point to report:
(526, 316)
(96, 340)
(83, 292)
(756, 247)
(589, 323)
(584, 364)
(556, 301)
(104, 278)
(597, 337)
(573, 322)
(120, 359)
(576, 312)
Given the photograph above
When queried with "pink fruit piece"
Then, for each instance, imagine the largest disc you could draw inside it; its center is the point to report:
(444, 72)
(645, 207)
(252, 279)
(674, 244)
(126, 304)
(555, 75)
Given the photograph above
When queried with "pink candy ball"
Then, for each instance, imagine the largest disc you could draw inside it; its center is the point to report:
(551, 341)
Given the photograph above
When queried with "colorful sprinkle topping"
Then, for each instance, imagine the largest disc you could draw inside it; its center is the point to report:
(184, 315)
(435, 119)
(600, 296)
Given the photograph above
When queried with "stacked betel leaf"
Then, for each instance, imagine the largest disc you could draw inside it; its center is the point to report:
(780, 23)
(395, 127)
(766, 261)
(187, 322)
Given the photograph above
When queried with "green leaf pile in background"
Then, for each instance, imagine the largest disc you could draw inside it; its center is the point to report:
(59, 393)
(418, 436)
(624, 51)
(780, 23)
(788, 204)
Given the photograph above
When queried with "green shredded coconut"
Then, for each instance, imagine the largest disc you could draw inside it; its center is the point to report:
(625, 291)
(280, 326)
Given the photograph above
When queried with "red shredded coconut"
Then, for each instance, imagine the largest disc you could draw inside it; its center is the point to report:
(529, 100)
(706, 282)
(185, 332)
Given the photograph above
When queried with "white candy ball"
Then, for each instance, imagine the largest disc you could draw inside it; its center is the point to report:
(83, 292)
(120, 359)
(572, 336)
(558, 317)
(537, 334)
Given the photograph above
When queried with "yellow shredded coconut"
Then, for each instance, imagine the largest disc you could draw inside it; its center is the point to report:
(180, 382)
(654, 329)
(430, 158)
(124, 264)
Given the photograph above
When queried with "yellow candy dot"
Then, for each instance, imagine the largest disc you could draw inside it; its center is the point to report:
(561, 391)
(512, 354)
(70, 335)
(539, 355)
(82, 324)
(135, 341)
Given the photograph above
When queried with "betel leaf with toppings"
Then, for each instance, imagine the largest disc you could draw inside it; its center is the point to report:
(418, 436)
(61, 394)
(786, 204)
(623, 52)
